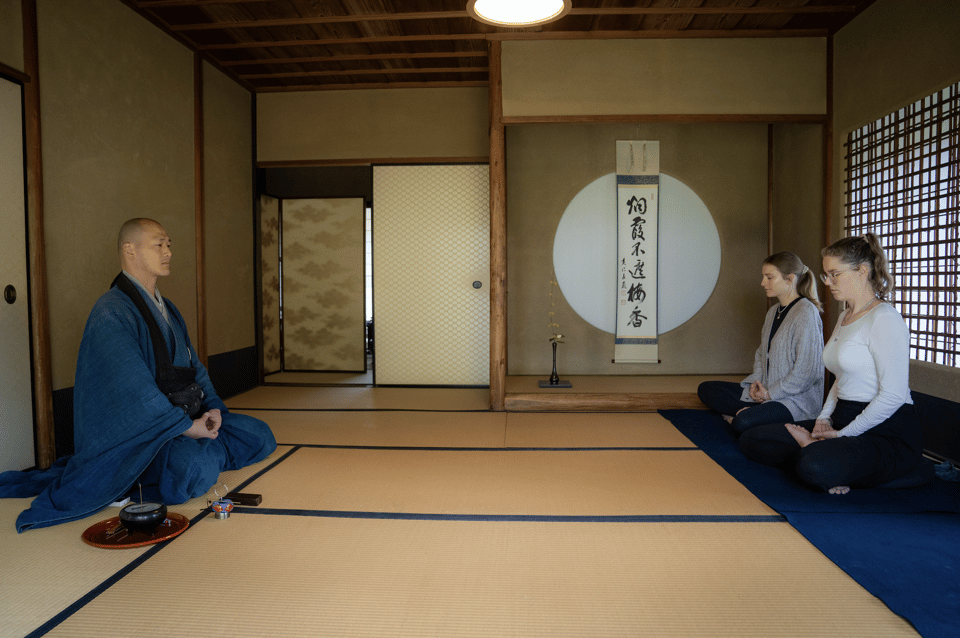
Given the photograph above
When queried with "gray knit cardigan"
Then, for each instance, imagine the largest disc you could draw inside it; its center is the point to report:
(795, 375)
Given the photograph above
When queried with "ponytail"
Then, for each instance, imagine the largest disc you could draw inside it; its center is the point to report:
(855, 251)
(807, 287)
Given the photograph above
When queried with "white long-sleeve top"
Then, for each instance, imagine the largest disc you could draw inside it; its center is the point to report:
(871, 360)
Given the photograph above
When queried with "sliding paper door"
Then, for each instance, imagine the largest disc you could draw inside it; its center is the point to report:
(431, 251)
(270, 281)
(323, 287)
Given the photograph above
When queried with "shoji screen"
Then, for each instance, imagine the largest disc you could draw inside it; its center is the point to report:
(431, 271)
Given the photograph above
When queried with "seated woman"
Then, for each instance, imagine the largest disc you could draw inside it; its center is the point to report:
(867, 433)
(787, 380)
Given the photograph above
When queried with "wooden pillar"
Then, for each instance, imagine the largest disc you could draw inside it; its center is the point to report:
(46, 452)
(198, 175)
(829, 307)
(769, 189)
(498, 237)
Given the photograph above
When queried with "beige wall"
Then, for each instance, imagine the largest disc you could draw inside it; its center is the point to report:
(11, 34)
(116, 97)
(724, 164)
(895, 53)
(798, 193)
(394, 123)
(228, 213)
(680, 76)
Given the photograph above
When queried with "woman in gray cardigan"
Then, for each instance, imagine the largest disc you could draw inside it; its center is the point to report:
(787, 379)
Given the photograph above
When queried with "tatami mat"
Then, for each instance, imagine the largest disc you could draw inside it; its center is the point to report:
(538, 526)
(470, 429)
(355, 398)
(388, 428)
(591, 430)
(308, 577)
(43, 571)
(549, 483)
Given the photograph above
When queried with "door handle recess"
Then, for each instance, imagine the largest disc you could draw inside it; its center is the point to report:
(10, 294)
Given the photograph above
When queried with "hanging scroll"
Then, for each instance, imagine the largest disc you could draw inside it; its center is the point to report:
(638, 197)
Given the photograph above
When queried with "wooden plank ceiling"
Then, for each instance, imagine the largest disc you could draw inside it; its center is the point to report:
(311, 45)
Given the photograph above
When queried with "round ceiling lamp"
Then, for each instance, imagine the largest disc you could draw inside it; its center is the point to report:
(517, 13)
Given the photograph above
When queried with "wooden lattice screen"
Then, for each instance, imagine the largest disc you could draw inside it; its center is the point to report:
(903, 183)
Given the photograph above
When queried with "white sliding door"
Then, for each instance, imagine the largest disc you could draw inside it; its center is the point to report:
(16, 394)
(431, 255)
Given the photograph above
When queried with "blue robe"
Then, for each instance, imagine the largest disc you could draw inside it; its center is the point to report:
(126, 431)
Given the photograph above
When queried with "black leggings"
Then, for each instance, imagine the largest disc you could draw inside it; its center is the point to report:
(724, 397)
(879, 455)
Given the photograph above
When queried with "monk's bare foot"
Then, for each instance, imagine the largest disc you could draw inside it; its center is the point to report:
(840, 489)
(728, 418)
(800, 435)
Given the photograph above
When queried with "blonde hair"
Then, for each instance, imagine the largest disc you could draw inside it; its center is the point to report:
(789, 264)
(854, 251)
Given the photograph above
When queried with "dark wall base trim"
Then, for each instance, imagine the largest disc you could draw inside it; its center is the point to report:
(234, 372)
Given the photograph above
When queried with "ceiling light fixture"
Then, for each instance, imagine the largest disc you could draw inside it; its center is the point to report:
(517, 13)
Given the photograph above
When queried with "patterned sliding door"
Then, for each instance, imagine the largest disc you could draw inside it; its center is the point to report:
(324, 320)
(431, 252)
(270, 281)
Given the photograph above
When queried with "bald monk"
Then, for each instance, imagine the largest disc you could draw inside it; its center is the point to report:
(145, 412)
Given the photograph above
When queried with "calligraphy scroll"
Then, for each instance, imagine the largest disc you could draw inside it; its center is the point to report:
(638, 202)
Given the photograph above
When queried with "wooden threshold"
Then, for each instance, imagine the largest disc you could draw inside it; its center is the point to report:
(567, 401)
(616, 393)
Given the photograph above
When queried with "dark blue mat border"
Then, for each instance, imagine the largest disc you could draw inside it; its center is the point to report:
(495, 449)
(518, 518)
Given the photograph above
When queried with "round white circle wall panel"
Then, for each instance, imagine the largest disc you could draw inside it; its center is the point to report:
(585, 253)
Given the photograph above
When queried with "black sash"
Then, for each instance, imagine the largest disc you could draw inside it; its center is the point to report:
(177, 384)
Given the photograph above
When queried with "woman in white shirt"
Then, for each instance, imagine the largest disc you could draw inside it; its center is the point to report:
(867, 433)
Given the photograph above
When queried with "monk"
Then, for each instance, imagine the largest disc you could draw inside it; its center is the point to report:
(145, 415)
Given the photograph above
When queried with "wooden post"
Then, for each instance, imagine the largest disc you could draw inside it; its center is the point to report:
(829, 306)
(770, 189)
(46, 452)
(198, 179)
(498, 237)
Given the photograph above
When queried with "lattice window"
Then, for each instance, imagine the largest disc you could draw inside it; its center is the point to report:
(903, 183)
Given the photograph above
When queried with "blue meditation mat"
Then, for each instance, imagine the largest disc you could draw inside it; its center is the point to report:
(903, 546)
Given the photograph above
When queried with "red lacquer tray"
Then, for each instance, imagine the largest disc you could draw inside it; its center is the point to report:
(109, 534)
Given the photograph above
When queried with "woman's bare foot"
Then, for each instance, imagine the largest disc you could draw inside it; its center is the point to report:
(840, 489)
(800, 435)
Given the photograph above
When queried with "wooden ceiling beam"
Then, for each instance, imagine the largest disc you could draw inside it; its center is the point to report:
(336, 41)
(546, 35)
(452, 15)
(371, 85)
(354, 58)
(302, 74)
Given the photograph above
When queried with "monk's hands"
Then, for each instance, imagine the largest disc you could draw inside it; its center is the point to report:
(207, 426)
(759, 393)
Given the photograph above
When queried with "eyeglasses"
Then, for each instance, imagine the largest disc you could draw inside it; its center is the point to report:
(832, 276)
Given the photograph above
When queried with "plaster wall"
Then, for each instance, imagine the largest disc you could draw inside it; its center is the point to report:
(116, 99)
(373, 124)
(668, 76)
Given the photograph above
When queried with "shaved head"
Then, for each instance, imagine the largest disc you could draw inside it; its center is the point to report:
(132, 231)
